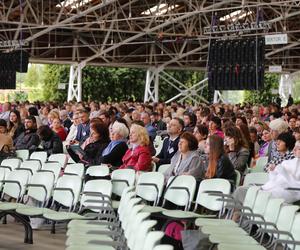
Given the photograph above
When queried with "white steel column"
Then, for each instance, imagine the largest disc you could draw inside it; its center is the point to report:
(75, 83)
(152, 85)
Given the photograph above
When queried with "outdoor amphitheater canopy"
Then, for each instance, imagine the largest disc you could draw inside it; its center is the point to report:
(150, 34)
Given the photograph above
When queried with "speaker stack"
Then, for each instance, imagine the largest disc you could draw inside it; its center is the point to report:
(236, 64)
(10, 63)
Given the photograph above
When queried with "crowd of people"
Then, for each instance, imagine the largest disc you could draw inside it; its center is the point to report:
(214, 141)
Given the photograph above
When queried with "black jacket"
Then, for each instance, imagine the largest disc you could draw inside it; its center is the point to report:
(225, 169)
(19, 130)
(93, 150)
(115, 156)
(52, 145)
(28, 140)
(168, 150)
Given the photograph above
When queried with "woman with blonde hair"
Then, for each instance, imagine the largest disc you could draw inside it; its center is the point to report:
(138, 156)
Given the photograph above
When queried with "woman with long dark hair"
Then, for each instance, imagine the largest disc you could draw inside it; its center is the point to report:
(219, 165)
(238, 151)
(15, 125)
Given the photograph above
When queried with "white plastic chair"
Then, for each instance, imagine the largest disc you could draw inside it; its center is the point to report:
(54, 167)
(257, 179)
(163, 168)
(150, 186)
(61, 158)
(259, 166)
(163, 247)
(39, 155)
(98, 170)
(23, 154)
(98, 187)
(74, 169)
(67, 190)
(41, 186)
(122, 178)
(152, 239)
(181, 191)
(31, 165)
(15, 184)
(11, 163)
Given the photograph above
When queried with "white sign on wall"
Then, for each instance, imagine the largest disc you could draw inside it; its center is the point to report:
(276, 39)
(275, 68)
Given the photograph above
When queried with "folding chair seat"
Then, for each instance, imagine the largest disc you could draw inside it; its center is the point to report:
(39, 155)
(61, 158)
(23, 154)
(180, 191)
(150, 186)
(163, 247)
(163, 168)
(230, 204)
(257, 179)
(205, 198)
(74, 169)
(96, 190)
(292, 240)
(98, 170)
(228, 246)
(11, 163)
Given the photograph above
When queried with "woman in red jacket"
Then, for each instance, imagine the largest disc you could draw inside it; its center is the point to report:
(138, 156)
(59, 129)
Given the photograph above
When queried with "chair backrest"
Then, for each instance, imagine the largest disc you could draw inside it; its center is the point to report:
(285, 219)
(98, 187)
(32, 166)
(23, 154)
(41, 185)
(122, 178)
(98, 170)
(205, 199)
(163, 168)
(13, 163)
(140, 237)
(75, 168)
(251, 196)
(152, 239)
(272, 210)
(259, 166)
(261, 202)
(181, 190)
(67, 190)
(295, 231)
(15, 186)
(150, 186)
(70, 161)
(54, 167)
(61, 158)
(131, 223)
(237, 178)
(39, 155)
(258, 179)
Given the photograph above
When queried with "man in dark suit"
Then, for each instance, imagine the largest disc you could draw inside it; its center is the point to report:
(170, 144)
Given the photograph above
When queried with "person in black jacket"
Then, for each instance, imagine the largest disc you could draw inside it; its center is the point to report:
(94, 144)
(50, 141)
(219, 165)
(116, 149)
(170, 144)
(29, 138)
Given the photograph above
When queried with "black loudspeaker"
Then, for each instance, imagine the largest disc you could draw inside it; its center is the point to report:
(236, 64)
(10, 63)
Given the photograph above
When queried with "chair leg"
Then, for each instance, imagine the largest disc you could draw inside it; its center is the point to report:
(53, 227)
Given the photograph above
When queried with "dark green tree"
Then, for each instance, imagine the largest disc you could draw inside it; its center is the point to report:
(265, 95)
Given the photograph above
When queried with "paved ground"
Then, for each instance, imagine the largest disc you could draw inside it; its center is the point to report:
(12, 236)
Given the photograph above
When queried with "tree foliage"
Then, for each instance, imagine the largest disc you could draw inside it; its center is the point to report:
(265, 95)
(111, 84)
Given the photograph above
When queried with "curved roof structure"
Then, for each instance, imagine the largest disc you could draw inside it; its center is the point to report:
(144, 33)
